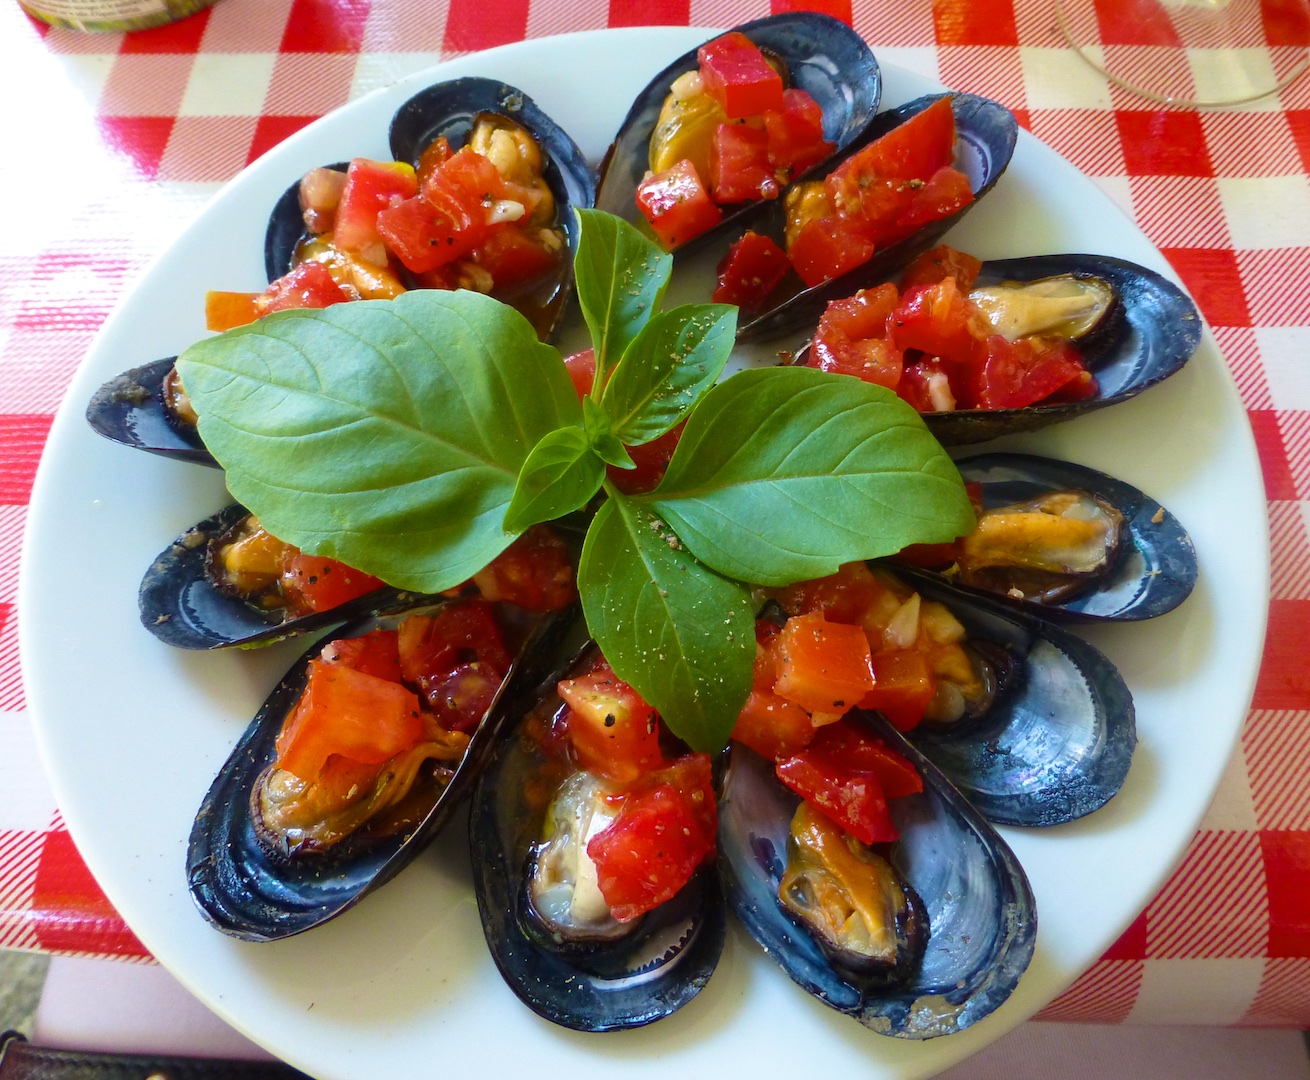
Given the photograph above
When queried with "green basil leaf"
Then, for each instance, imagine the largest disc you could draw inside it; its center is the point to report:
(683, 636)
(677, 356)
(603, 440)
(783, 474)
(620, 277)
(387, 434)
(561, 474)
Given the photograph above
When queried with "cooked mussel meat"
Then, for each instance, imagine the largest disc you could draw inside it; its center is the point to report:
(1075, 307)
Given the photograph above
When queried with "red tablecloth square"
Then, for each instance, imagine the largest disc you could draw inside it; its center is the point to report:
(1287, 868)
(22, 438)
(64, 884)
(1134, 22)
(1283, 674)
(1273, 455)
(183, 36)
(1132, 942)
(325, 26)
(1164, 144)
(271, 130)
(141, 138)
(838, 9)
(483, 24)
(1299, 121)
(1212, 277)
(649, 13)
(975, 22)
(1286, 22)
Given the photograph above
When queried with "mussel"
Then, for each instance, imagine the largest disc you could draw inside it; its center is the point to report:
(818, 54)
(555, 940)
(985, 136)
(253, 878)
(131, 409)
(1146, 328)
(182, 605)
(966, 896)
(1124, 556)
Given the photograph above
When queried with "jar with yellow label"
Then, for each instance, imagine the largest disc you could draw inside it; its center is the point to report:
(111, 15)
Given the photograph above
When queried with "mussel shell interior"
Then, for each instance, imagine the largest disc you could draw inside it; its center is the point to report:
(982, 918)
(985, 136)
(608, 986)
(129, 409)
(247, 892)
(180, 605)
(1057, 743)
(824, 57)
(1155, 571)
(1158, 334)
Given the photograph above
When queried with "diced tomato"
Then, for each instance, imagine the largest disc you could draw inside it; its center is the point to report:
(913, 150)
(317, 583)
(772, 725)
(822, 666)
(581, 367)
(371, 187)
(945, 192)
(436, 154)
(848, 775)
(796, 133)
(460, 633)
(652, 461)
(309, 285)
(514, 256)
(825, 248)
(926, 386)
(740, 170)
(942, 262)
(614, 733)
(852, 338)
(460, 697)
(535, 573)
(935, 319)
(426, 234)
(677, 205)
(870, 205)
(736, 75)
(375, 653)
(664, 830)
(1014, 375)
(903, 686)
(347, 712)
(843, 597)
(470, 171)
(751, 269)
(225, 310)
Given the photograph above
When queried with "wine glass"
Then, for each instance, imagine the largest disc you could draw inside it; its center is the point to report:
(1192, 52)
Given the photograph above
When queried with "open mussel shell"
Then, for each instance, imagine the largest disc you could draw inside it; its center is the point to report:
(129, 409)
(823, 56)
(1058, 738)
(982, 918)
(286, 229)
(450, 109)
(985, 134)
(248, 893)
(612, 985)
(179, 604)
(1151, 573)
(1156, 334)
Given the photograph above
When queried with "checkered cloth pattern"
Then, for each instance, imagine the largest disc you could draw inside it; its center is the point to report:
(149, 124)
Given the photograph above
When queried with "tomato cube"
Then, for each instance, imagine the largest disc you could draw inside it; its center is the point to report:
(796, 133)
(903, 685)
(535, 573)
(614, 733)
(309, 285)
(460, 698)
(937, 320)
(826, 248)
(677, 205)
(942, 262)
(772, 726)
(459, 633)
(316, 583)
(852, 338)
(752, 268)
(375, 653)
(513, 256)
(739, 165)
(347, 712)
(226, 310)
(822, 666)
(371, 187)
(738, 76)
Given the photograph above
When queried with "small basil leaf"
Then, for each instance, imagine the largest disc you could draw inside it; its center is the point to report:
(620, 277)
(783, 474)
(677, 356)
(387, 434)
(561, 474)
(603, 440)
(683, 636)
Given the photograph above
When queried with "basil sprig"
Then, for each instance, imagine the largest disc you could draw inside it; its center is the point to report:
(416, 438)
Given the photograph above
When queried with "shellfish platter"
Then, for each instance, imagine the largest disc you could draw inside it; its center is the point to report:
(133, 732)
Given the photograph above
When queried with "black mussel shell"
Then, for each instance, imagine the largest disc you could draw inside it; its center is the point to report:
(1058, 739)
(449, 109)
(180, 605)
(1157, 335)
(603, 986)
(286, 228)
(248, 893)
(824, 57)
(982, 918)
(129, 409)
(1155, 568)
(985, 134)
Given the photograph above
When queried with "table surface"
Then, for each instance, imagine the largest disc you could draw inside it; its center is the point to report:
(154, 122)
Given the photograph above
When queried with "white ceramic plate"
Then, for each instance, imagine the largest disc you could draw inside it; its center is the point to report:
(133, 732)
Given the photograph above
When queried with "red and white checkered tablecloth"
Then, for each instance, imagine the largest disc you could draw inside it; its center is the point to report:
(114, 142)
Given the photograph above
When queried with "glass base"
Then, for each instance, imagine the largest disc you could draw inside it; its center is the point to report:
(1196, 53)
